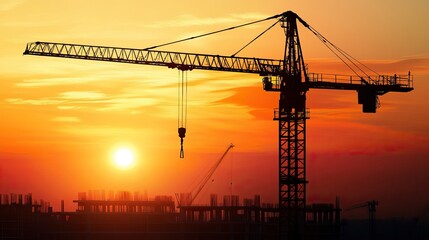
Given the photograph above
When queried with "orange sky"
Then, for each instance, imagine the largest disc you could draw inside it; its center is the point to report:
(61, 119)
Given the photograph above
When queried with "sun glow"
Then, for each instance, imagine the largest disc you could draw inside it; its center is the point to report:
(124, 158)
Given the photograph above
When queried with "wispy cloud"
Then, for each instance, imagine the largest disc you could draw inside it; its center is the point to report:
(7, 5)
(89, 100)
(98, 131)
(68, 107)
(67, 119)
(42, 101)
(54, 81)
(82, 95)
(381, 66)
(188, 20)
(69, 98)
(126, 103)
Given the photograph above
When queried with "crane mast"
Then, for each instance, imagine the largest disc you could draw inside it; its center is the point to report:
(292, 115)
(289, 77)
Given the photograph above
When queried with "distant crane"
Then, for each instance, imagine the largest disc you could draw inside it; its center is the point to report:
(288, 76)
(371, 205)
(203, 182)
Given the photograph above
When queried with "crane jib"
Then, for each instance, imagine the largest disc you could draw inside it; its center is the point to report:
(183, 61)
(189, 61)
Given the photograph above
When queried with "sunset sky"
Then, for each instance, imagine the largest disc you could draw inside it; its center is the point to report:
(61, 120)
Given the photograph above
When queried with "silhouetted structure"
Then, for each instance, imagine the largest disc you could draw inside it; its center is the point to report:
(371, 205)
(289, 77)
(127, 216)
(19, 216)
(131, 216)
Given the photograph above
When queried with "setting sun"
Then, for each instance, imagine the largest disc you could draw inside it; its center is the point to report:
(124, 158)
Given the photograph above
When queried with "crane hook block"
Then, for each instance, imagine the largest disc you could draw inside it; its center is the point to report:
(182, 153)
(182, 133)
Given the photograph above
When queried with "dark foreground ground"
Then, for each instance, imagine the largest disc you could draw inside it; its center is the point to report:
(386, 229)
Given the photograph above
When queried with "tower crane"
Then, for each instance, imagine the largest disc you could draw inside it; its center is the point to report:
(206, 178)
(371, 205)
(288, 76)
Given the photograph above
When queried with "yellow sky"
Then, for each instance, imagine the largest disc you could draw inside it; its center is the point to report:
(62, 119)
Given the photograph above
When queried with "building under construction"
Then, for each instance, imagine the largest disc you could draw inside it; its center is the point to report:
(133, 216)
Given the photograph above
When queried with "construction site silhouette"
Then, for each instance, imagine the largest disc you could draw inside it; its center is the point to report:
(124, 216)
(127, 216)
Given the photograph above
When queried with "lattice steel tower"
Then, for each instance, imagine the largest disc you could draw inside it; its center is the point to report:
(292, 115)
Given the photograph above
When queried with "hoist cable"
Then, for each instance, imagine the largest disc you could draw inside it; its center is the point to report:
(183, 92)
(211, 33)
(182, 99)
(186, 99)
(178, 99)
(182, 88)
(266, 30)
